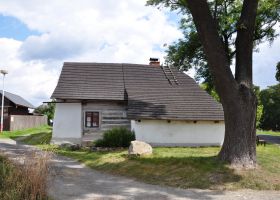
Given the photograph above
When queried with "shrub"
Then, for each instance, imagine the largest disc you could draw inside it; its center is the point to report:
(24, 181)
(116, 137)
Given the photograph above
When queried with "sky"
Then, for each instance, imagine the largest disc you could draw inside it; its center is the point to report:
(37, 36)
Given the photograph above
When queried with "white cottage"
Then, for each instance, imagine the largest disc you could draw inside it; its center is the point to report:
(161, 104)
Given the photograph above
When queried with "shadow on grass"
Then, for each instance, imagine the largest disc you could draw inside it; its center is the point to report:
(106, 185)
(34, 139)
(205, 172)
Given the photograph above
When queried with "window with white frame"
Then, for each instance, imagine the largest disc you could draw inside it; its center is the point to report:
(92, 119)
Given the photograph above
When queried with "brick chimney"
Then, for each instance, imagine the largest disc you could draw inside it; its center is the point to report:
(155, 62)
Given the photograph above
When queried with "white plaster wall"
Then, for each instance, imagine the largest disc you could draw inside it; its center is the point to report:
(179, 133)
(67, 125)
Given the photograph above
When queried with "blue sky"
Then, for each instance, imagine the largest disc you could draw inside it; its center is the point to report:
(11, 27)
(36, 38)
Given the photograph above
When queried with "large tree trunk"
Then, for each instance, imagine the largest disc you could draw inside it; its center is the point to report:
(239, 147)
(236, 94)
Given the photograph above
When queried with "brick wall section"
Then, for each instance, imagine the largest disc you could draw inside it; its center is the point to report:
(18, 122)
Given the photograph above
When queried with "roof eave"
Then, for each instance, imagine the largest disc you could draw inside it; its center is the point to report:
(174, 118)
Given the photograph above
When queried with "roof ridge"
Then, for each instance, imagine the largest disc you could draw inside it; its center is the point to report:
(103, 63)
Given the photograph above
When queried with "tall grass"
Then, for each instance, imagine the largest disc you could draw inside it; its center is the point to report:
(26, 179)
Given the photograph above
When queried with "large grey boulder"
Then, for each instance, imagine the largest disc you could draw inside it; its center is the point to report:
(139, 148)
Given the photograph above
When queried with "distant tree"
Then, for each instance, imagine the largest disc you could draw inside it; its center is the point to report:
(259, 107)
(270, 99)
(259, 115)
(277, 76)
(210, 91)
(46, 109)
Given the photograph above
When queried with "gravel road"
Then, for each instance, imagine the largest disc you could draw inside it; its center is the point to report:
(72, 181)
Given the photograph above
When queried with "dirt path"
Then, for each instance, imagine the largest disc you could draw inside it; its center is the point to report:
(71, 180)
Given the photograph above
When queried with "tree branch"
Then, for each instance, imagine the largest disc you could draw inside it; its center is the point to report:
(215, 10)
(244, 43)
(232, 54)
(213, 47)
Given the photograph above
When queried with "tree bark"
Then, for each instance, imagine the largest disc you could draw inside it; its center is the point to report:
(236, 94)
(244, 43)
(239, 147)
(242, 126)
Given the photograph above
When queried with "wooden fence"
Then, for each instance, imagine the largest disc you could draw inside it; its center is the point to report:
(18, 122)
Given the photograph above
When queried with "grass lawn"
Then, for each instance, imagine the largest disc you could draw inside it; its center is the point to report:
(179, 167)
(17, 134)
(260, 132)
(185, 167)
(37, 138)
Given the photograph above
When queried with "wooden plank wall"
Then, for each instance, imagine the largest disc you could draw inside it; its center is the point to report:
(111, 114)
(18, 122)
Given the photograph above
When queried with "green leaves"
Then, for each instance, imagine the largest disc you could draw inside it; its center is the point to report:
(172, 4)
(277, 76)
(270, 98)
(116, 137)
(46, 109)
(187, 52)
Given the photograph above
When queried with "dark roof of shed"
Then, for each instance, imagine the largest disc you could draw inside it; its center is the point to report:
(16, 99)
(150, 94)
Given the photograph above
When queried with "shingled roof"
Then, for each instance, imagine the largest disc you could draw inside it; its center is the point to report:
(151, 92)
(18, 100)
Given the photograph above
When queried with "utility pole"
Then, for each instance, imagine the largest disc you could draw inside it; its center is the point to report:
(4, 72)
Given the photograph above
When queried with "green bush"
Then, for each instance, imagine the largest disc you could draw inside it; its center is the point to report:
(116, 137)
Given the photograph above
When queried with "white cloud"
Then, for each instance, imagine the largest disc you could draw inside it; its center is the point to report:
(85, 30)
(265, 62)
(92, 31)
(51, 46)
(75, 27)
(28, 79)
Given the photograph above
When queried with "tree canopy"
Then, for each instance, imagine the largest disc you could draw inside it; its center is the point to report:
(46, 109)
(270, 98)
(277, 76)
(188, 53)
